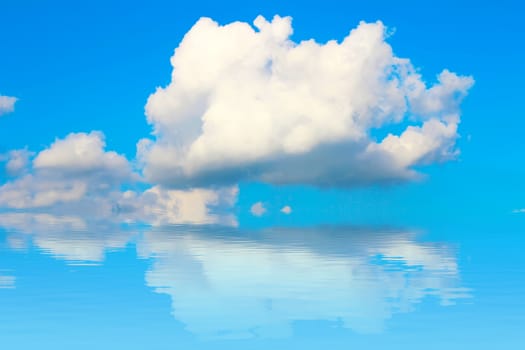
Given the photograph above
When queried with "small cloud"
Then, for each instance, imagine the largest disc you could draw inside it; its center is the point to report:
(286, 210)
(258, 209)
(7, 104)
(518, 211)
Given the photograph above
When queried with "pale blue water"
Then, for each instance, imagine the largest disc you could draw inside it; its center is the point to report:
(67, 283)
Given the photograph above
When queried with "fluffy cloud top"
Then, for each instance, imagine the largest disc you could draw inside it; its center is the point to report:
(7, 104)
(67, 171)
(80, 153)
(248, 103)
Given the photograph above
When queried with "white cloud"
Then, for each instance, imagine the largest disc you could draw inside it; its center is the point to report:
(76, 176)
(157, 206)
(258, 209)
(245, 285)
(264, 109)
(18, 161)
(32, 191)
(286, 210)
(69, 170)
(517, 211)
(268, 109)
(7, 104)
(82, 153)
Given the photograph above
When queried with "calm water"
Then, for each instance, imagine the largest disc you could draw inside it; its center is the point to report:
(69, 283)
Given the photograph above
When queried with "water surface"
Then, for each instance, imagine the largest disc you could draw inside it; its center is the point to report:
(66, 281)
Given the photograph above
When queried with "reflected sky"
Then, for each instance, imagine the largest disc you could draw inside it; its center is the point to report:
(7, 282)
(224, 284)
(257, 285)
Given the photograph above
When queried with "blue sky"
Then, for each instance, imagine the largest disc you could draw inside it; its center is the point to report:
(92, 66)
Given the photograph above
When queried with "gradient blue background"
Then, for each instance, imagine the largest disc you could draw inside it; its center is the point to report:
(90, 65)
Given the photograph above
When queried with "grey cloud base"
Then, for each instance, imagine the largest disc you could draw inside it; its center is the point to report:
(334, 165)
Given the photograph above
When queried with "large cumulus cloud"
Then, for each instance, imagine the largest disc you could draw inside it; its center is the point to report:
(248, 103)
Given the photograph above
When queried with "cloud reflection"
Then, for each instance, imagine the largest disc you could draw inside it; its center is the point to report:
(65, 237)
(240, 286)
(7, 282)
(229, 282)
